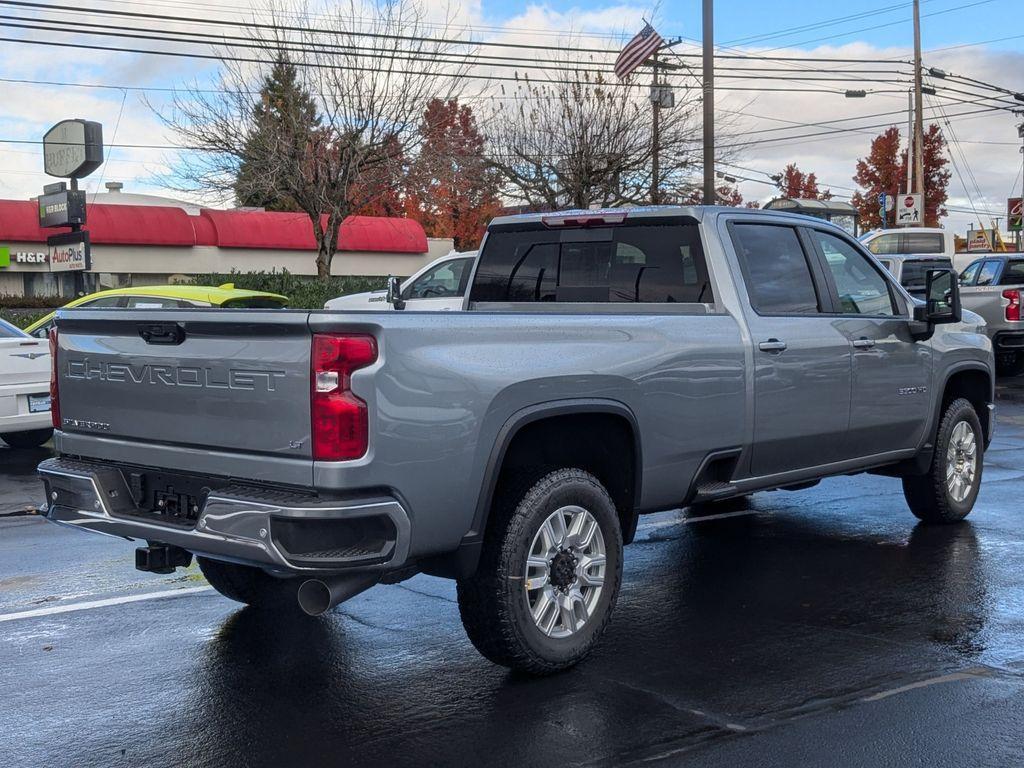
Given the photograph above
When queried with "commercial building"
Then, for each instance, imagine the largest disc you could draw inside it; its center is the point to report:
(143, 239)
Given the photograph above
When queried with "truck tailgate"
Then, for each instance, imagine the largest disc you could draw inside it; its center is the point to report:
(216, 380)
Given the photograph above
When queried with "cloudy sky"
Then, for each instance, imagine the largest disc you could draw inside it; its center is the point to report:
(983, 40)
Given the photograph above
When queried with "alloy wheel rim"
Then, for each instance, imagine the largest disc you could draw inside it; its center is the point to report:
(961, 461)
(565, 571)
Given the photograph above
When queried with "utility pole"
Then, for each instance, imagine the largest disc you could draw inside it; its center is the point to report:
(910, 140)
(655, 134)
(918, 106)
(709, 103)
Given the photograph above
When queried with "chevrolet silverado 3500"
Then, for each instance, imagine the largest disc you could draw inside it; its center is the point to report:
(606, 364)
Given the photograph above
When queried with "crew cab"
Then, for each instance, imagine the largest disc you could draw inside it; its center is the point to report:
(605, 364)
(992, 286)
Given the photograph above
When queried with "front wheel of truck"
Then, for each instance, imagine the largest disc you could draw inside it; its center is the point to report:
(548, 575)
(946, 494)
(251, 586)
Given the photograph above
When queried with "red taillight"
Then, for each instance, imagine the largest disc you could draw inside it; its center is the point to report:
(54, 399)
(1013, 308)
(340, 423)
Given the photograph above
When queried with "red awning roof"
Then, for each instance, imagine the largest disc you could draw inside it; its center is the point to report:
(171, 226)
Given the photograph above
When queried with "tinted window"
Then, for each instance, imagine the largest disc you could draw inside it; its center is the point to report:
(778, 276)
(922, 242)
(1013, 273)
(967, 278)
(8, 331)
(887, 263)
(884, 244)
(861, 288)
(988, 273)
(105, 301)
(446, 280)
(648, 263)
(915, 272)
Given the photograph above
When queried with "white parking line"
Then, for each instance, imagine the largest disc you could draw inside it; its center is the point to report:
(55, 609)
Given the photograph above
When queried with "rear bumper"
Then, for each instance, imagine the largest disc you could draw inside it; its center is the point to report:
(15, 415)
(277, 530)
(1008, 341)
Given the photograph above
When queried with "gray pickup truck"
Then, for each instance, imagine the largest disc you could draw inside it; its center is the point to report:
(606, 364)
(991, 286)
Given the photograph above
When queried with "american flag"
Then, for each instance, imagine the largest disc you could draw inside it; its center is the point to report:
(637, 51)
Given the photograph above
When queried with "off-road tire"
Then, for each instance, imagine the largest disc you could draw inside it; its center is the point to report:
(251, 586)
(492, 602)
(928, 495)
(30, 439)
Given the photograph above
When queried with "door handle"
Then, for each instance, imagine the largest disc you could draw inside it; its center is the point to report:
(863, 343)
(772, 345)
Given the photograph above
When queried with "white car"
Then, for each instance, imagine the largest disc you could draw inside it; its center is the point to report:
(24, 388)
(439, 286)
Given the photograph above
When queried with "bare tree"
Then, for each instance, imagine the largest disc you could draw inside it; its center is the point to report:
(578, 139)
(369, 66)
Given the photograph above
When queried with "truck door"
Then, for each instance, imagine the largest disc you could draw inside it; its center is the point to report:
(801, 361)
(890, 404)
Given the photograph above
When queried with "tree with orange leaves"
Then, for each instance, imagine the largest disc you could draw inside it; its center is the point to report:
(450, 187)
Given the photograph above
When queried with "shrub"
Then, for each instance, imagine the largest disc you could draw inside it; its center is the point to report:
(22, 318)
(302, 292)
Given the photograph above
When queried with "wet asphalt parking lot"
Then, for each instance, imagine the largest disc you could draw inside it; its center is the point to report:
(822, 627)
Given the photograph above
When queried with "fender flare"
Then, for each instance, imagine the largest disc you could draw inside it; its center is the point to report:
(538, 412)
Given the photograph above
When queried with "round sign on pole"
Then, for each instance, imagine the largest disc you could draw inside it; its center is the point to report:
(72, 149)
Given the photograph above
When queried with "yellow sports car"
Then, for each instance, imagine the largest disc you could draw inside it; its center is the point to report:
(168, 297)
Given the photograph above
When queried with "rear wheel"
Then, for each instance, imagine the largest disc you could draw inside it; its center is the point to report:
(548, 576)
(252, 586)
(946, 494)
(31, 439)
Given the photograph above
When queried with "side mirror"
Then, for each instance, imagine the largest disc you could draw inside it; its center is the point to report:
(395, 293)
(942, 298)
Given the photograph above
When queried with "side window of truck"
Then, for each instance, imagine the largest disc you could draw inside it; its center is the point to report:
(861, 288)
(988, 273)
(967, 278)
(634, 263)
(923, 242)
(776, 269)
(885, 244)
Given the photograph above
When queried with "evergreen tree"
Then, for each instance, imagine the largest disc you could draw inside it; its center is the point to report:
(278, 144)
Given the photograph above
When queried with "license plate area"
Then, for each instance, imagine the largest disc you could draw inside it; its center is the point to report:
(39, 403)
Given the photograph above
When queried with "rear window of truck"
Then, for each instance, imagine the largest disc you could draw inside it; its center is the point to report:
(915, 272)
(1013, 273)
(633, 262)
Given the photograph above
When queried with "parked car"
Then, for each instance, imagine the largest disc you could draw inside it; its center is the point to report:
(167, 297)
(993, 286)
(607, 364)
(920, 241)
(438, 286)
(24, 388)
(911, 270)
